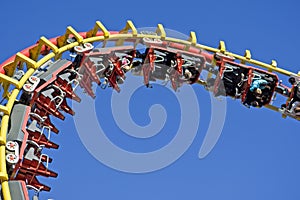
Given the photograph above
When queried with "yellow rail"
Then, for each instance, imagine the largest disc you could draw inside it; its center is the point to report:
(129, 32)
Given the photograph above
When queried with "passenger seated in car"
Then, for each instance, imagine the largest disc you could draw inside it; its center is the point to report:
(259, 83)
(296, 93)
(296, 108)
(254, 98)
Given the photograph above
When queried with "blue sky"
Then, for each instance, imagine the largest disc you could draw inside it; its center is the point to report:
(257, 156)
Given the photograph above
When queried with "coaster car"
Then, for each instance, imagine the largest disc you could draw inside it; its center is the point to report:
(109, 63)
(264, 97)
(231, 78)
(168, 64)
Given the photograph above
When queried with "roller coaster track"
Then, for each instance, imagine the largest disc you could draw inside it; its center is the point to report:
(32, 58)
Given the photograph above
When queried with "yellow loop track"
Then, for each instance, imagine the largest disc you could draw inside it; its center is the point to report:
(129, 32)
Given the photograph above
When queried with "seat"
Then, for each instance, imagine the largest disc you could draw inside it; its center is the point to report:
(37, 135)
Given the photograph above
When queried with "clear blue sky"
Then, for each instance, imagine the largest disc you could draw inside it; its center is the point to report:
(257, 156)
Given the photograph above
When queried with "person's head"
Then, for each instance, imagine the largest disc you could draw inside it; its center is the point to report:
(264, 84)
(258, 91)
(187, 74)
(254, 104)
(292, 80)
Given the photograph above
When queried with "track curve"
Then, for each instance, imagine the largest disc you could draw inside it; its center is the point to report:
(36, 56)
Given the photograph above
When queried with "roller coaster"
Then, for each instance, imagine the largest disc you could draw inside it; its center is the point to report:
(37, 82)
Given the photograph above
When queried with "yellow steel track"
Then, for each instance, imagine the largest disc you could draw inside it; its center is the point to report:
(129, 32)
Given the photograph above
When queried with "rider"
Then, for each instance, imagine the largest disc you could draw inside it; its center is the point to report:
(254, 97)
(296, 92)
(296, 108)
(258, 84)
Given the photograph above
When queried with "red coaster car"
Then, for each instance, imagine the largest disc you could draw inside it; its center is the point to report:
(159, 63)
(231, 78)
(266, 93)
